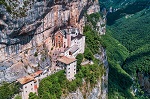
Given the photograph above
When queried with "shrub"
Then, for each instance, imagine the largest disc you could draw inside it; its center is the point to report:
(79, 58)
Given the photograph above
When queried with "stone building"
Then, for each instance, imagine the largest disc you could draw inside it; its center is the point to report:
(29, 84)
(68, 43)
(67, 38)
(69, 64)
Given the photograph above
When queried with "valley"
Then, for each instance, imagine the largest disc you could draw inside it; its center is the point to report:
(129, 24)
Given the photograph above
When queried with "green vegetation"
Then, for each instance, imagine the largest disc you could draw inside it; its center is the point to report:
(119, 81)
(139, 60)
(88, 54)
(130, 26)
(2, 2)
(127, 10)
(117, 3)
(35, 54)
(18, 97)
(57, 84)
(137, 26)
(115, 51)
(33, 96)
(79, 58)
(93, 18)
(8, 90)
(92, 39)
(133, 32)
(117, 54)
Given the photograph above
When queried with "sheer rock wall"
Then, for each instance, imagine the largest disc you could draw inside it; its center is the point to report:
(26, 42)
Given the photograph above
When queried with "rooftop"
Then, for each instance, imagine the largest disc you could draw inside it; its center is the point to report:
(29, 78)
(66, 60)
(25, 79)
(37, 73)
(79, 36)
(74, 48)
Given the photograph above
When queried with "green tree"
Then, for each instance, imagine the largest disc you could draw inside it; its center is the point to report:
(88, 54)
(7, 90)
(18, 97)
(33, 96)
(79, 58)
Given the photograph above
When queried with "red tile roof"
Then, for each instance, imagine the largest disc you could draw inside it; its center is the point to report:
(25, 79)
(37, 73)
(29, 78)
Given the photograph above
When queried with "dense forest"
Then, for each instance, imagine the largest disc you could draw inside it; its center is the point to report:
(117, 4)
(7, 90)
(132, 30)
(129, 24)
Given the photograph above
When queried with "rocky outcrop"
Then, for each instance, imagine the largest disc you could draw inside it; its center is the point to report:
(100, 90)
(144, 81)
(95, 93)
(26, 42)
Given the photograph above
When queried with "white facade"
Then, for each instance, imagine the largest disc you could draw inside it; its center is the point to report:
(69, 64)
(27, 88)
(29, 84)
(80, 43)
(71, 70)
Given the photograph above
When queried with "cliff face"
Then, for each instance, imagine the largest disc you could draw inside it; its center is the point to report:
(26, 42)
(100, 90)
(144, 82)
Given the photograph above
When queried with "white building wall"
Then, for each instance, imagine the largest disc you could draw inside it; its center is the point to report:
(71, 70)
(27, 88)
(80, 43)
(73, 42)
(76, 53)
